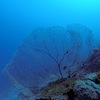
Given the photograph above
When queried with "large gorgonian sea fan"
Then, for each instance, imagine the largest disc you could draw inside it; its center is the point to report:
(49, 54)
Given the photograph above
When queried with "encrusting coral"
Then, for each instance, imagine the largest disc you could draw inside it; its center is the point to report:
(59, 87)
(89, 87)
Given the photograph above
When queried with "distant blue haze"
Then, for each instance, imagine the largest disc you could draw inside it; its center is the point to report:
(18, 18)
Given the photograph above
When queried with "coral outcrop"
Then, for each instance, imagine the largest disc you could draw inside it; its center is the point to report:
(88, 88)
(93, 62)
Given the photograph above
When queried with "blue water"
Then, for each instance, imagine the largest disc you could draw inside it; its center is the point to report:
(18, 18)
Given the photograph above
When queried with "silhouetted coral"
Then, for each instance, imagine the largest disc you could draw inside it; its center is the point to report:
(93, 62)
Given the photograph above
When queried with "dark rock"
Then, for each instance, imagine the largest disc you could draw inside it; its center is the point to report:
(97, 79)
(71, 95)
(93, 62)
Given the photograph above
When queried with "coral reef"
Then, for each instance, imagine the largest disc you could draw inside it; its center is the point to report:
(46, 67)
(88, 88)
(61, 87)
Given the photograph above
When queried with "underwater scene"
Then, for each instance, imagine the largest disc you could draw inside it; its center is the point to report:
(49, 49)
